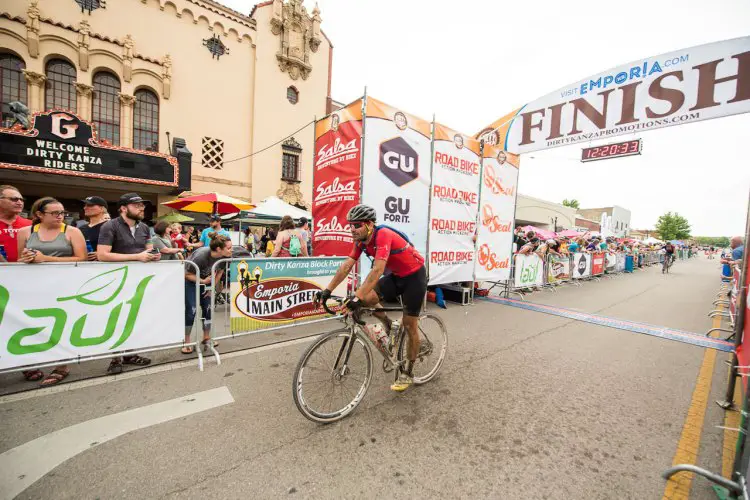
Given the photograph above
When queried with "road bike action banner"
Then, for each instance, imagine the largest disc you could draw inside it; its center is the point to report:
(454, 205)
(396, 173)
(336, 178)
(597, 263)
(685, 86)
(88, 309)
(265, 292)
(558, 269)
(581, 265)
(529, 271)
(496, 214)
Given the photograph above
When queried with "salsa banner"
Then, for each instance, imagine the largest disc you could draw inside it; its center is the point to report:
(454, 205)
(499, 190)
(685, 86)
(88, 309)
(276, 291)
(597, 263)
(336, 178)
(396, 172)
(558, 269)
(581, 265)
(529, 271)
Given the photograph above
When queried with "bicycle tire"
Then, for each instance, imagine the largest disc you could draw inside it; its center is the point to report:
(303, 402)
(441, 350)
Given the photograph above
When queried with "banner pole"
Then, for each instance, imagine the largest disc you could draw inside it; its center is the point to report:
(739, 324)
(358, 281)
(429, 197)
(477, 220)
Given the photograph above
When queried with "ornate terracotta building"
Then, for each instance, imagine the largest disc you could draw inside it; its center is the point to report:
(144, 72)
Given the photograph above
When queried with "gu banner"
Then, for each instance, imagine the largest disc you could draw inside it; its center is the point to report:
(275, 291)
(685, 86)
(581, 265)
(529, 271)
(497, 213)
(558, 269)
(336, 178)
(88, 310)
(454, 206)
(396, 174)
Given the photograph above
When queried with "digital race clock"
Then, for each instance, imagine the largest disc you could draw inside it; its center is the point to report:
(628, 148)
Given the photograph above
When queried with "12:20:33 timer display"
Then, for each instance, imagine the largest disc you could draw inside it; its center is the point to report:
(627, 148)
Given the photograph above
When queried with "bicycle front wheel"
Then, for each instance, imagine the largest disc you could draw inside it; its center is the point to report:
(433, 337)
(327, 385)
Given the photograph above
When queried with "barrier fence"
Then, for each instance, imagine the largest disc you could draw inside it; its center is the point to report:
(65, 313)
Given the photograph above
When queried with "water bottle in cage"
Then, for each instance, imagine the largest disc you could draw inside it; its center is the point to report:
(377, 334)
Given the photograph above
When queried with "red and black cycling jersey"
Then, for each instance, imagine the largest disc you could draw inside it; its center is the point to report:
(399, 255)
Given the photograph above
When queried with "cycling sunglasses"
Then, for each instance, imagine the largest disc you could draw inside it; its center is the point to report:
(357, 225)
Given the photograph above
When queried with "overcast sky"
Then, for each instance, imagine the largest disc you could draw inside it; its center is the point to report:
(471, 62)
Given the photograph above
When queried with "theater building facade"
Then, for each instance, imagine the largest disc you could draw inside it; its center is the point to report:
(160, 97)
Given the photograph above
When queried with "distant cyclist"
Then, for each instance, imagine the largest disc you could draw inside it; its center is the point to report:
(668, 256)
(408, 278)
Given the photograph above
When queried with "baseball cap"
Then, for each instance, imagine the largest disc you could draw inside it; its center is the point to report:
(302, 221)
(215, 217)
(95, 200)
(129, 198)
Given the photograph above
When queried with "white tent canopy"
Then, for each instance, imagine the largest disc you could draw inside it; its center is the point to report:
(273, 206)
(651, 240)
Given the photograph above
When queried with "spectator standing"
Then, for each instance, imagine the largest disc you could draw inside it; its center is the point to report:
(219, 247)
(193, 237)
(519, 238)
(176, 235)
(94, 208)
(11, 206)
(163, 243)
(50, 240)
(529, 247)
(574, 246)
(290, 242)
(734, 257)
(126, 239)
(215, 227)
(304, 228)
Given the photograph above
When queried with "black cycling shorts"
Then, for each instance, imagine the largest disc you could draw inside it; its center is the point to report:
(411, 289)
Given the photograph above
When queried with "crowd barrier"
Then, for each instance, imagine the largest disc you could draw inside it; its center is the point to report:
(72, 312)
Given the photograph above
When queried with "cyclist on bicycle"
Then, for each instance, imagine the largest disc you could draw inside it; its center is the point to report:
(669, 253)
(407, 279)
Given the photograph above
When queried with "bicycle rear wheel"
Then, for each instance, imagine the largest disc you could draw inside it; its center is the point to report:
(324, 388)
(433, 338)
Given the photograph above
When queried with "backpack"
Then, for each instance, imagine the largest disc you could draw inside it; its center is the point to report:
(394, 251)
(295, 247)
(269, 248)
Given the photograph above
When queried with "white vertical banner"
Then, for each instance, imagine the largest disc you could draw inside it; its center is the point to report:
(496, 214)
(396, 173)
(454, 204)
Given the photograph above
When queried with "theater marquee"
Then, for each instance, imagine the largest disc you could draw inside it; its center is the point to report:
(59, 142)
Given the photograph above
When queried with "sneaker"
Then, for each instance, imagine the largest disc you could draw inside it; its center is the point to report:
(404, 382)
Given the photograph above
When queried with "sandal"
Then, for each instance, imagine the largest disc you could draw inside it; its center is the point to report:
(206, 346)
(33, 375)
(115, 366)
(136, 360)
(188, 349)
(56, 376)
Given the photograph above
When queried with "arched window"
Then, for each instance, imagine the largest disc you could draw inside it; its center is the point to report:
(292, 95)
(60, 92)
(105, 106)
(146, 121)
(12, 85)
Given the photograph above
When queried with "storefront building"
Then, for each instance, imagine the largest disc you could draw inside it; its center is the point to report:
(160, 97)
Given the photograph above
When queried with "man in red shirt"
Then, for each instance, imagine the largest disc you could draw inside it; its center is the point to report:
(11, 206)
(408, 278)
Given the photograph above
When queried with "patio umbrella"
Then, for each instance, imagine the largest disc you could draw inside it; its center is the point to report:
(175, 217)
(210, 203)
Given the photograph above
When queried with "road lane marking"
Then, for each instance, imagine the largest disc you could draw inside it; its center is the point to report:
(149, 370)
(678, 486)
(22, 466)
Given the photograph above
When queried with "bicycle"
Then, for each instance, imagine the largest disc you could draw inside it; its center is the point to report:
(332, 366)
(668, 261)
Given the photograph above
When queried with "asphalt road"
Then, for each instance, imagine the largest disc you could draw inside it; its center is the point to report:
(527, 405)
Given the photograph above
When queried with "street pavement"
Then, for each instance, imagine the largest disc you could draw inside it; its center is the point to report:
(527, 405)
